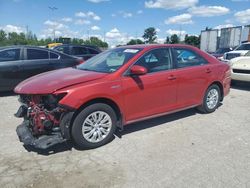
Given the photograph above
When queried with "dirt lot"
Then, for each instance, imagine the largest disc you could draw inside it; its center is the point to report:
(186, 149)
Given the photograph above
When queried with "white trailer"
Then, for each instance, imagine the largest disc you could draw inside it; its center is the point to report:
(230, 37)
(245, 37)
(209, 40)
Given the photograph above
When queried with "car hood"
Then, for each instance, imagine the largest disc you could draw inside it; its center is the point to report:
(52, 81)
(241, 63)
(217, 55)
(242, 52)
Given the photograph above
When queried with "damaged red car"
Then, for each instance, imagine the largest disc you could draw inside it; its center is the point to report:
(87, 103)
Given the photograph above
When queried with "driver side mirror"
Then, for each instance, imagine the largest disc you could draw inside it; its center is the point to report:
(138, 70)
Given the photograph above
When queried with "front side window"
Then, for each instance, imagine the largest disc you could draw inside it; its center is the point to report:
(54, 56)
(79, 51)
(10, 55)
(156, 60)
(109, 61)
(187, 58)
(33, 54)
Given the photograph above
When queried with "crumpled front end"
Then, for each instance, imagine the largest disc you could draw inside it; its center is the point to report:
(46, 122)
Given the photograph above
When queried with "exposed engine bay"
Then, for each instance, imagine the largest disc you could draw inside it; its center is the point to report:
(45, 122)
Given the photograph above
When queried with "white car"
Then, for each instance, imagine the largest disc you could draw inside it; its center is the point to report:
(240, 68)
(237, 52)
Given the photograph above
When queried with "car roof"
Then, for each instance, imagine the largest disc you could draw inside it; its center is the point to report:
(150, 46)
(27, 46)
(80, 45)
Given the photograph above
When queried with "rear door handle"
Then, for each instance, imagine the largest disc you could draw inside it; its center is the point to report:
(15, 68)
(208, 71)
(171, 77)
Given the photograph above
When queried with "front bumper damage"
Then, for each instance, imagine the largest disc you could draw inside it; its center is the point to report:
(42, 142)
(44, 128)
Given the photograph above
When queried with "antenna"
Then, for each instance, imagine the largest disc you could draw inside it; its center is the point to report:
(54, 30)
(180, 33)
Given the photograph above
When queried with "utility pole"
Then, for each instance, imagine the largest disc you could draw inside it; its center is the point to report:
(27, 31)
(88, 34)
(54, 29)
(136, 35)
(104, 36)
(180, 35)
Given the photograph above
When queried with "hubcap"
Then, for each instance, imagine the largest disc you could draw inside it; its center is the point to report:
(96, 126)
(212, 98)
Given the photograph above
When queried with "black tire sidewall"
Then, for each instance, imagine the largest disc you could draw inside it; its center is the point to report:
(76, 131)
(205, 107)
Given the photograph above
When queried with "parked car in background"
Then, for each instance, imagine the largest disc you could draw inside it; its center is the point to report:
(83, 51)
(240, 68)
(54, 44)
(18, 63)
(220, 52)
(237, 52)
(115, 88)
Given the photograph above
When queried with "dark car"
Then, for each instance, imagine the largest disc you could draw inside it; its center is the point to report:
(115, 88)
(18, 63)
(220, 52)
(83, 51)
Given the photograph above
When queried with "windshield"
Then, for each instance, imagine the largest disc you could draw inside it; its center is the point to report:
(222, 50)
(109, 61)
(243, 47)
(248, 53)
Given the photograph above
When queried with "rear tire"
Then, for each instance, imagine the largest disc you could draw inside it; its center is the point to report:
(94, 126)
(211, 99)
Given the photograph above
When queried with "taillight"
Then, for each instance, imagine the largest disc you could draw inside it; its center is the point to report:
(80, 61)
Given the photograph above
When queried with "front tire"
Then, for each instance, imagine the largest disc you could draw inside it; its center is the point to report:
(211, 99)
(94, 126)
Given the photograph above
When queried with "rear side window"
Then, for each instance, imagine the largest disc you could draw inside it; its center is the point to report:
(187, 58)
(63, 49)
(10, 55)
(53, 56)
(79, 51)
(92, 51)
(37, 54)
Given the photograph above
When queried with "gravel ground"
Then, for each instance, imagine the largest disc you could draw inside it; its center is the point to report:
(185, 149)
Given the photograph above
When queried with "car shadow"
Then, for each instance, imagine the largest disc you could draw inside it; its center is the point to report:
(58, 148)
(7, 93)
(134, 127)
(147, 124)
(241, 85)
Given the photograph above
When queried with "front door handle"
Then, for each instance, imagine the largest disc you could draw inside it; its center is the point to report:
(208, 70)
(171, 77)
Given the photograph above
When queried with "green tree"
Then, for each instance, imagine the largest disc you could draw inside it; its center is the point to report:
(135, 41)
(3, 37)
(174, 39)
(167, 41)
(15, 38)
(96, 42)
(150, 35)
(192, 40)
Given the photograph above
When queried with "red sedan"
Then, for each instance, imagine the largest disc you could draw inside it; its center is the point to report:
(115, 88)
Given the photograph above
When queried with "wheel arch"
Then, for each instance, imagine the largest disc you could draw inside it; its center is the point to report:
(107, 101)
(219, 84)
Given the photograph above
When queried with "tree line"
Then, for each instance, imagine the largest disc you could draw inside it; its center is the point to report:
(149, 36)
(13, 38)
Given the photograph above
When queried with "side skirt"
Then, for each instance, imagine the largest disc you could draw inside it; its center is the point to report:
(161, 114)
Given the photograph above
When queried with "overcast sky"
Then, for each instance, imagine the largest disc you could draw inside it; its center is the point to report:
(117, 21)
